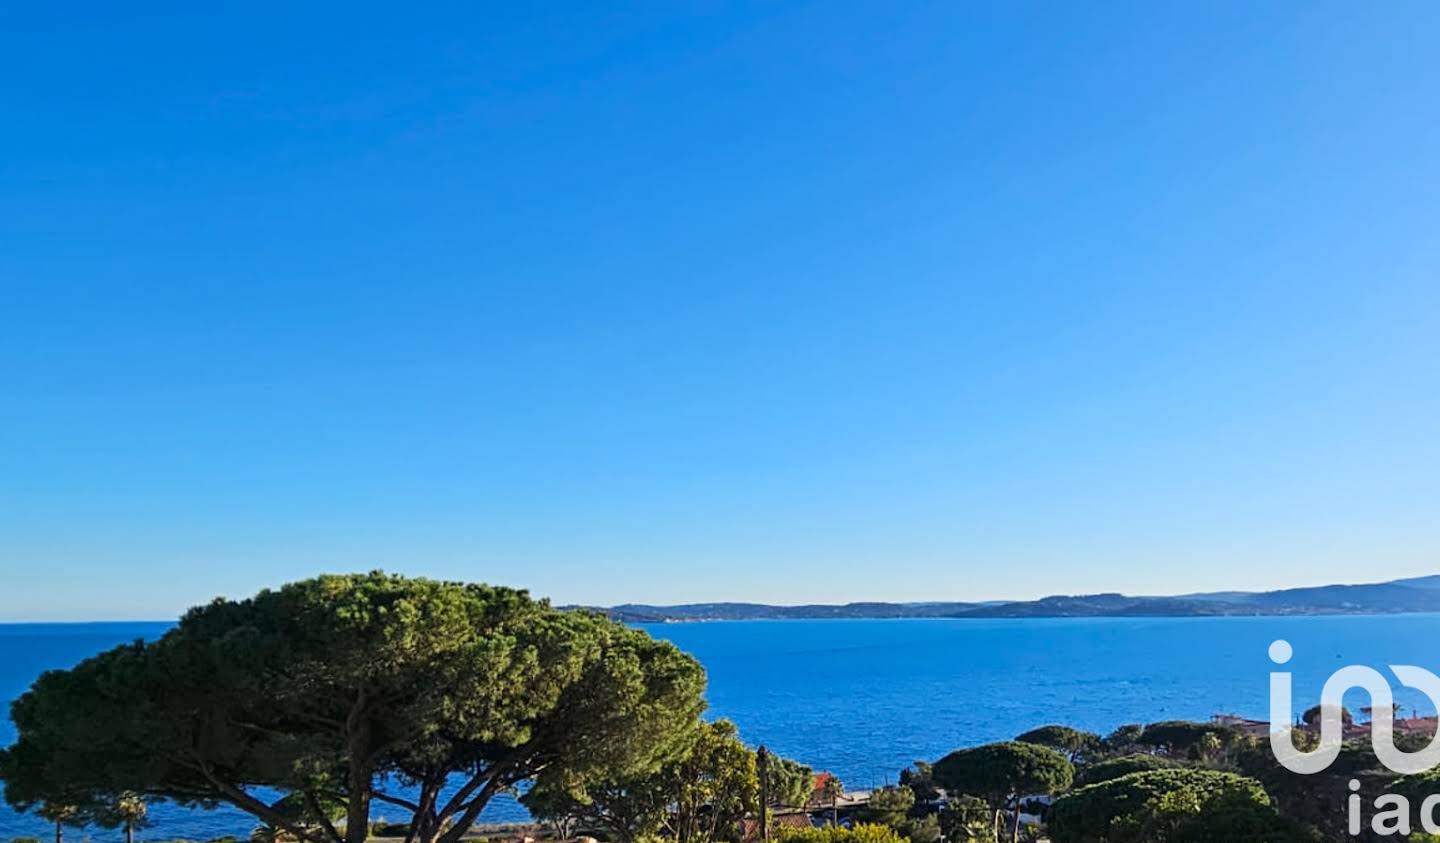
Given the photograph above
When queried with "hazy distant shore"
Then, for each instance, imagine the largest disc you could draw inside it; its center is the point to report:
(1407, 596)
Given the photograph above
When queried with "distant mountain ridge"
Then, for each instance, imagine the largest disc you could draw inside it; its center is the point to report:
(1415, 594)
(642, 613)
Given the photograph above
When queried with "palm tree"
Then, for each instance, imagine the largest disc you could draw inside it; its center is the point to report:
(130, 809)
(833, 789)
(60, 814)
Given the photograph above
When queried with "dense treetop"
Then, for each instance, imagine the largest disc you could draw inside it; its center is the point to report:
(352, 689)
(1179, 805)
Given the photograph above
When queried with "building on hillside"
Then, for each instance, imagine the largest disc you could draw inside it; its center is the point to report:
(1253, 728)
(818, 799)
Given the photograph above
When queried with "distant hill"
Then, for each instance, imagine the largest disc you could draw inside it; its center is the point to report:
(642, 613)
(1379, 598)
(1104, 605)
(1219, 597)
(1382, 597)
(1430, 582)
(1417, 594)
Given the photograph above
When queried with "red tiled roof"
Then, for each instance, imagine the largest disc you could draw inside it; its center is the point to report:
(817, 793)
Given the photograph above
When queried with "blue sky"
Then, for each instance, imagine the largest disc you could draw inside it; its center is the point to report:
(793, 302)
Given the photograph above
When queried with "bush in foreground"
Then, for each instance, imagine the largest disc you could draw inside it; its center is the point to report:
(861, 833)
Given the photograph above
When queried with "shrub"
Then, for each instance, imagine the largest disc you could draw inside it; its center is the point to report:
(861, 833)
(924, 829)
(889, 805)
(966, 818)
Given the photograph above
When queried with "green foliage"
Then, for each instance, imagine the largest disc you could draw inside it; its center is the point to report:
(127, 811)
(1318, 800)
(1179, 737)
(348, 685)
(701, 795)
(1124, 739)
(906, 808)
(712, 787)
(1114, 768)
(967, 818)
(1311, 717)
(59, 813)
(1417, 787)
(25, 840)
(861, 833)
(1073, 743)
(920, 778)
(1170, 806)
(791, 783)
(924, 829)
(129, 808)
(1180, 817)
(270, 834)
(1002, 773)
(311, 811)
(831, 791)
(889, 806)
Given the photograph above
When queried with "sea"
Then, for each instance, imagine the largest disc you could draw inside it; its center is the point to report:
(865, 698)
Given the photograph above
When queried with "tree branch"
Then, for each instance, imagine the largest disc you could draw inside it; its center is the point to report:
(472, 813)
(458, 801)
(420, 815)
(249, 804)
(324, 819)
(395, 800)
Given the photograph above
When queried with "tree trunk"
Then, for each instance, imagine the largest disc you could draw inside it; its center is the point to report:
(358, 780)
(995, 826)
(59, 832)
(835, 811)
(684, 820)
(129, 830)
(359, 745)
(357, 809)
(762, 770)
(1015, 831)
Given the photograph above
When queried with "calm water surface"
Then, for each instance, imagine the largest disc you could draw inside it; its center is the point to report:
(865, 698)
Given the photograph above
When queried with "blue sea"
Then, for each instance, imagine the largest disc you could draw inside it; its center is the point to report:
(866, 698)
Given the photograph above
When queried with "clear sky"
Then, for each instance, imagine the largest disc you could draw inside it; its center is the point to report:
(804, 301)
